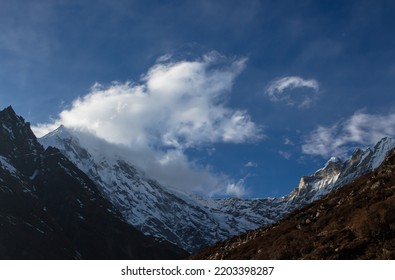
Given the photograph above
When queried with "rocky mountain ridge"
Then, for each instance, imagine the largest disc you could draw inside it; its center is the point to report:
(356, 221)
(189, 221)
(337, 173)
(50, 209)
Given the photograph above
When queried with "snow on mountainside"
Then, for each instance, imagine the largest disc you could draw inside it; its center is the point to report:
(187, 220)
(50, 209)
(355, 222)
(337, 173)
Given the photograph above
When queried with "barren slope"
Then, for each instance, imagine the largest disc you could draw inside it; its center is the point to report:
(353, 222)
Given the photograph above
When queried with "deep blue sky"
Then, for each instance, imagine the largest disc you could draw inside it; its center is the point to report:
(52, 52)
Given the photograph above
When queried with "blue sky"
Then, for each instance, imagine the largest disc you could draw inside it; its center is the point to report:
(262, 92)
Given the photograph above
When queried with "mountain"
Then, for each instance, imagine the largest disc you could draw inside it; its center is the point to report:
(71, 195)
(50, 209)
(337, 173)
(356, 221)
(189, 221)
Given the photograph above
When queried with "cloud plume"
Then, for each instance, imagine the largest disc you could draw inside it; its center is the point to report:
(177, 105)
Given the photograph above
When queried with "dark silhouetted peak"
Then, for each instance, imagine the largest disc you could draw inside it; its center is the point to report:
(14, 127)
(9, 116)
(18, 142)
(50, 209)
(9, 110)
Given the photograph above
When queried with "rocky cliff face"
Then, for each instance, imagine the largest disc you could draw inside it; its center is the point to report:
(52, 210)
(356, 221)
(337, 173)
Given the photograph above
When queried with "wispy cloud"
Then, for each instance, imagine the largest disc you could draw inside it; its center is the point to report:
(251, 164)
(175, 106)
(236, 188)
(341, 137)
(288, 142)
(285, 154)
(283, 90)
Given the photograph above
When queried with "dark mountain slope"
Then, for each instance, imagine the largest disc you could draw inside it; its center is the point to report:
(356, 221)
(27, 230)
(51, 210)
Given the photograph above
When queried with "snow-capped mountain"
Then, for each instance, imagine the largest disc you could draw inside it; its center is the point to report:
(50, 209)
(187, 220)
(337, 173)
(67, 179)
(352, 223)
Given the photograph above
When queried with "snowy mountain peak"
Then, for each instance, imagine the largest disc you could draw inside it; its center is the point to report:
(189, 221)
(333, 159)
(381, 149)
(332, 166)
(337, 173)
(60, 132)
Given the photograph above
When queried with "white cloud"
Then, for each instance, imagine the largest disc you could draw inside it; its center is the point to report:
(282, 90)
(164, 58)
(236, 189)
(251, 164)
(175, 106)
(340, 138)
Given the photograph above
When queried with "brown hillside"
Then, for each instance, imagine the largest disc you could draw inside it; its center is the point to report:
(354, 222)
